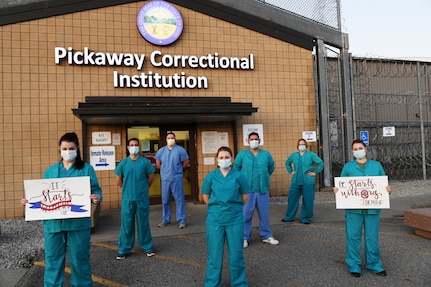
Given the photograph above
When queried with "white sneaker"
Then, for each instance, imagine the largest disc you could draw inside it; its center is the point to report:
(271, 240)
(245, 244)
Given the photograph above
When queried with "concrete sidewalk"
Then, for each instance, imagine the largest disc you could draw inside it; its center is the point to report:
(308, 255)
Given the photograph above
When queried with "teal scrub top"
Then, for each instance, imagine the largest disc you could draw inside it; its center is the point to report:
(225, 202)
(57, 171)
(244, 163)
(310, 162)
(134, 174)
(371, 168)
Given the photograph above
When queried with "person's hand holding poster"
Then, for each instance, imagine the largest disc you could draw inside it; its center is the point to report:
(361, 192)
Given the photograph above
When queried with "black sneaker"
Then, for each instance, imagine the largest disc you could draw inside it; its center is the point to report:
(120, 257)
(151, 253)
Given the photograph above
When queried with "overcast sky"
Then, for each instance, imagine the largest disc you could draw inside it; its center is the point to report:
(396, 29)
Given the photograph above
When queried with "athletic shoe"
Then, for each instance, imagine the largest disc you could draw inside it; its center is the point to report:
(182, 225)
(245, 245)
(151, 253)
(162, 224)
(271, 240)
(120, 257)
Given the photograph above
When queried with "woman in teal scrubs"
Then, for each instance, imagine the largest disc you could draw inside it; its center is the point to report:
(369, 219)
(71, 234)
(225, 190)
(304, 165)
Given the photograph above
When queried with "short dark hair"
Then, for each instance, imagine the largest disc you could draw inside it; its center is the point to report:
(358, 141)
(253, 134)
(132, 139)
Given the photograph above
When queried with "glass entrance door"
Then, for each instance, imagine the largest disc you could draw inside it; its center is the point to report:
(152, 138)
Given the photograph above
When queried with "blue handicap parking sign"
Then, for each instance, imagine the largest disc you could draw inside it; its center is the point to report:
(363, 136)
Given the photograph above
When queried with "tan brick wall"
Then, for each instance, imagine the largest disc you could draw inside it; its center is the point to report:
(37, 95)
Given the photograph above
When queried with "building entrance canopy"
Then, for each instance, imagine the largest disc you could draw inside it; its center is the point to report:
(160, 110)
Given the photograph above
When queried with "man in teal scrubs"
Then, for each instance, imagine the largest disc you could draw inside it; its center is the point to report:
(257, 165)
(135, 174)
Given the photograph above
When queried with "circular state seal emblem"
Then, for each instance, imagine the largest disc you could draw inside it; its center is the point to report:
(159, 22)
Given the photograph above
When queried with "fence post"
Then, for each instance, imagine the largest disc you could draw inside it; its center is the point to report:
(347, 94)
(421, 113)
(324, 134)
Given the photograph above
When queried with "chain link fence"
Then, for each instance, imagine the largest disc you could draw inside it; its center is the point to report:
(325, 12)
(392, 102)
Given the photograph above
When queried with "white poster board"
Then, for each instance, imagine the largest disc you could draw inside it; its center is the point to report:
(365, 192)
(57, 198)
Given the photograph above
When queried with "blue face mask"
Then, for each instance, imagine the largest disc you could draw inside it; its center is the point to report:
(134, 149)
(254, 144)
(69, 155)
(359, 153)
(224, 163)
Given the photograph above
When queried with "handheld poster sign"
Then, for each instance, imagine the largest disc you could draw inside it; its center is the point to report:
(57, 198)
(365, 192)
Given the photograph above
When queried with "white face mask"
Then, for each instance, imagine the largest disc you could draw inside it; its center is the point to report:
(302, 147)
(69, 155)
(170, 142)
(134, 150)
(254, 144)
(359, 153)
(224, 163)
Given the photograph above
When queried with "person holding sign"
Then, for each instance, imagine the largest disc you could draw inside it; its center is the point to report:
(71, 234)
(135, 174)
(225, 190)
(369, 219)
(303, 165)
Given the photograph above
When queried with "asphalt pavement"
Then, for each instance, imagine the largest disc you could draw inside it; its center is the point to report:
(308, 255)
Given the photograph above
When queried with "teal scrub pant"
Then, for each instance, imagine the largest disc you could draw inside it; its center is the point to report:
(371, 224)
(78, 246)
(216, 236)
(307, 191)
(129, 210)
